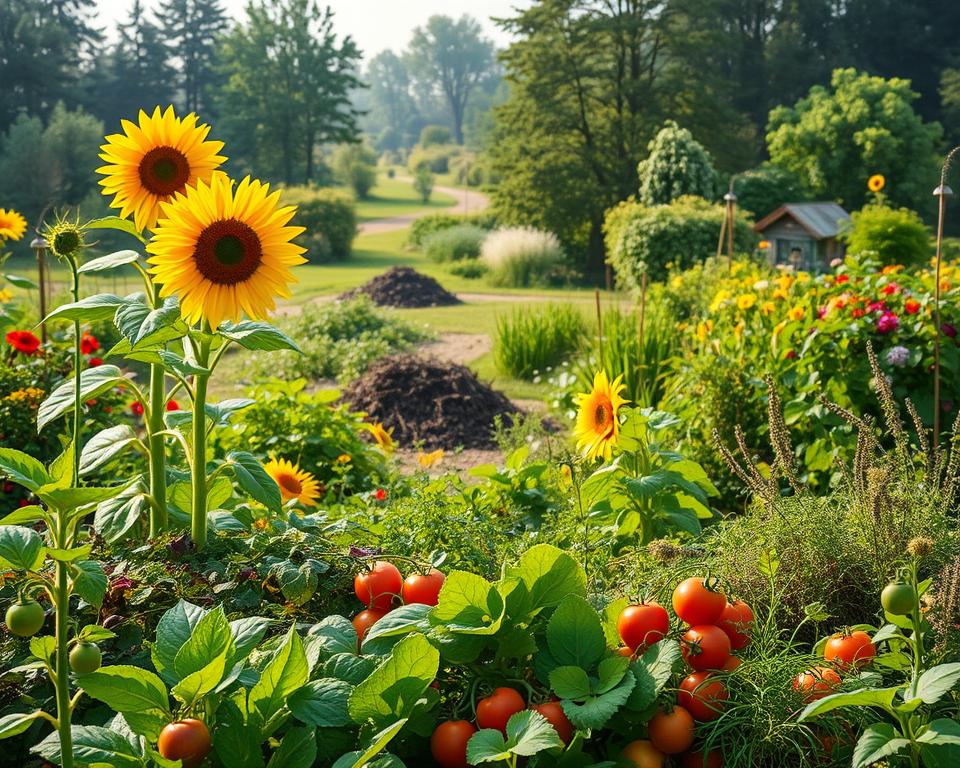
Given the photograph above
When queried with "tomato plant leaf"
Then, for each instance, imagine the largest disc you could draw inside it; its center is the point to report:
(298, 749)
(548, 575)
(575, 634)
(400, 621)
(93, 745)
(596, 710)
(942, 731)
(348, 667)
(236, 739)
(865, 697)
(126, 688)
(570, 683)
(375, 747)
(90, 581)
(468, 603)
(879, 740)
(283, 674)
(173, 630)
(937, 681)
(21, 548)
(528, 733)
(17, 723)
(210, 638)
(334, 634)
(322, 703)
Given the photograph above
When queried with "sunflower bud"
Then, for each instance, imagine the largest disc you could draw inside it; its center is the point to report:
(65, 238)
(920, 546)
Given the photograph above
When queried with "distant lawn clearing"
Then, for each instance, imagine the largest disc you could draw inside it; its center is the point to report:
(392, 197)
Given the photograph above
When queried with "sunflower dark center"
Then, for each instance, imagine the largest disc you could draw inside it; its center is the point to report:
(164, 170)
(600, 415)
(228, 252)
(290, 484)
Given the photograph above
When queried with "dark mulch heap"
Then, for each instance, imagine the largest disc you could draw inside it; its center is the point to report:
(442, 404)
(404, 287)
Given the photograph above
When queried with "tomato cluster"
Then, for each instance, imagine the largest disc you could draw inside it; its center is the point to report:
(379, 588)
(448, 744)
(716, 627)
(845, 650)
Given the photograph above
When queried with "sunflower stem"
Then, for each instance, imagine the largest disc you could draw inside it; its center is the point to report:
(158, 457)
(77, 357)
(198, 528)
(62, 611)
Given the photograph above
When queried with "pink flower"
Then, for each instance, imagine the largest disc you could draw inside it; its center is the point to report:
(890, 289)
(877, 306)
(887, 322)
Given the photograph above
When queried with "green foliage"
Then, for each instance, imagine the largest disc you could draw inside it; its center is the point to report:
(435, 158)
(522, 257)
(531, 341)
(423, 183)
(339, 341)
(677, 166)
(652, 239)
(459, 243)
(424, 226)
(763, 189)
(837, 137)
(895, 236)
(434, 134)
(330, 219)
(355, 165)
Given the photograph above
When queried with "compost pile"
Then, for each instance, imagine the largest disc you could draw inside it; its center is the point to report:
(444, 405)
(404, 287)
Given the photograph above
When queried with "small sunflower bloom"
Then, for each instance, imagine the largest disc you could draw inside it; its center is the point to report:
(427, 460)
(746, 301)
(796, 313)
(382, 436)
(12, 224)
(294, 483)
(598, 423)
(876, 182)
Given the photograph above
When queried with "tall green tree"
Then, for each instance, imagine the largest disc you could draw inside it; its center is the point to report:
(288, 87)
(451, 57)
(391, 103)
(190, 29)
(837, 137)
(677, 165)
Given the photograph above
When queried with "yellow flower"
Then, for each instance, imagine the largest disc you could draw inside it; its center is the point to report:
(598, 424)
(768, 308)
(746, 300)
(721, 296)
(343, 458)
(778, 328)
(763, 245)
(796, 313)
(153, 160)
(5, 295)
(294, 482)
(891, 269)
(27, 395)
(738, 329)
(876, 182)
(225, 252)
(703, 329)
(566, 476)
(784, 282)
(12, 224)
(384, 437)
(427, 460)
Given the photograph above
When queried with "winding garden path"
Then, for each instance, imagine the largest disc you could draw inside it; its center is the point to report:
(468, 201)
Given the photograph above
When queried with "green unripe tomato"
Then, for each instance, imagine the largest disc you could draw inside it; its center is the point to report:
(898, 599)
(24, 619)
(85, 658)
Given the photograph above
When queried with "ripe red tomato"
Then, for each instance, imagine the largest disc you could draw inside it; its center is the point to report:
(640, 626)
(423, 587)
(737, 621)
(816, 683)
(702, 695)
(366, 619)
(706, 647)
(854, 649)
(494, 710)
(697, 601)
(186, 740)
(671, 732)
(712, 759)
(642, 754)
(377, 587)
(731, 664)
(448, 744)
(555, 715)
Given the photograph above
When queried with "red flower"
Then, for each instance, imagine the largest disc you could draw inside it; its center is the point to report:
(857, 312)
(887, 322)
(890, 289)
(136, 408)
(23, 341)
(95, 361)
(380, 495)
(791, 354)
(911, 306)
(173, 405)
(843, 279)
(89, 344)
(877, 306)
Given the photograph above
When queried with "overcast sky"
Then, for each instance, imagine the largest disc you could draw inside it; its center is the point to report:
(374, 24)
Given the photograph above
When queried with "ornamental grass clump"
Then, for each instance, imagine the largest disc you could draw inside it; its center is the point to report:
(521, 257)
(530, 341)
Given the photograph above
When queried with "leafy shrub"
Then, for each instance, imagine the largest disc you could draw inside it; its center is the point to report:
(469, 268)
(355, 165)
(435, 158)
(458, 243)
(533, 339)
(431, 135)
(765, 188)
(521, 257)
(339, 341)
(423, 183)
(896, 236)
(678, 165)
(651, 239)
(425, 226)
(330, 219)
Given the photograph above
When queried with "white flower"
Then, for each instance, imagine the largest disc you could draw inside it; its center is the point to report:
(898, 356)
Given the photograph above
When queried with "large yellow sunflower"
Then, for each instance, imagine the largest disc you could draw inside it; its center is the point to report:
(153, 159)
(597, 420)
(295, 483)
(225, 251)
(12, 224)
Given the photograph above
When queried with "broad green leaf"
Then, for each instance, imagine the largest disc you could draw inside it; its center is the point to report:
(865, 697)
(611, 671)
(322, 703)
(879, 740)
(43, 647)
(115, 517)
(17, 723)
(21, 548)
(247, 632)
(91, 309)
(394, 687)
(571, 683)
(298, 749)
(253, 478)
(769, 563)
(652, 672)
(93, 383)
(941, 732)
(199, 683)
(221, 413)
(362, 758)
(937, 682)
(601, 483)
(144, 326)
(219, 493)
(468, 603)
(400, 621)
(93, 746)
(594, 711)
(106, 445)
(336, 635)
(348, 667)
(74, 501)
(18, 281)
(575, 634)
(173, 630)
(236, 739)
(283, 674)
(257, 335)
(127, 689)
(549, 575)
(115, 222)
(28, 514)
(110, 261)
(23, 469)
(211, 638)
(528, 732)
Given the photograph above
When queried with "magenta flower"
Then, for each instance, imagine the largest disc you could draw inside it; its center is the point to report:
(887, 322)
(949, 330)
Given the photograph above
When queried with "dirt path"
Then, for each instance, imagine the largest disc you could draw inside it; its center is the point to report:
(459, 348)
(468, 201)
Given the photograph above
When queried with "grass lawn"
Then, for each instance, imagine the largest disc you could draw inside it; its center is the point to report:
(392, 197)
